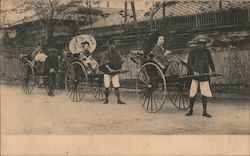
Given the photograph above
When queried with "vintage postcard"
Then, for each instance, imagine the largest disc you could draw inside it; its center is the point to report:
(125, 77)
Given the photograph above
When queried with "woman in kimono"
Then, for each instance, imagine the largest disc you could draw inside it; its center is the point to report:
(166, 58)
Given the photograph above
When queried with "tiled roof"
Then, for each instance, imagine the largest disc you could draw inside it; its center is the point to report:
(173, 8)
(182, 8)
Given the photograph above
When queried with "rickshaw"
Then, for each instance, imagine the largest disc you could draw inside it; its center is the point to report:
(32, 74)
(153, 87)
(79, 79)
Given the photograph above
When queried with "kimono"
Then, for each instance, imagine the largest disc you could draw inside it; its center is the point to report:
(89, 61)
(84, 55)
(169, 61)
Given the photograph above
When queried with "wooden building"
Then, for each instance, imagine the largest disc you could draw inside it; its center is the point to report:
(228, 24)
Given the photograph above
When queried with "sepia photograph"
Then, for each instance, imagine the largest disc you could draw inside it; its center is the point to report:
(124, 71)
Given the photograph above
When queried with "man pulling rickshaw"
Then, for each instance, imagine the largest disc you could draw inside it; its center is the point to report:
(111, 62)
(83, 74)
(199, 61)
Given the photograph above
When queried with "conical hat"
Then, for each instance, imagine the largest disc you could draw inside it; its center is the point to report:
(75, 45)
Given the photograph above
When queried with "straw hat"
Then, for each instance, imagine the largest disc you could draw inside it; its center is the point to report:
(201, 39)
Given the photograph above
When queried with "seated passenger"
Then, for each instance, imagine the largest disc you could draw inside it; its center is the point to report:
(166, 58)
(86, 57)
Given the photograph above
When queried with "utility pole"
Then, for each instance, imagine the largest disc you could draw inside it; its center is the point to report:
(90, 16)
(164, 9)
(126, 12)
(0, 13)
(137, 29)
(220, 4)
(134, 11)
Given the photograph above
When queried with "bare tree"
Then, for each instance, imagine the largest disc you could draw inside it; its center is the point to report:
(52, 12)
(49, 13)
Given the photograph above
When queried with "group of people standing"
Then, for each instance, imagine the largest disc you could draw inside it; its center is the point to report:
(111, 63)
(199, 61)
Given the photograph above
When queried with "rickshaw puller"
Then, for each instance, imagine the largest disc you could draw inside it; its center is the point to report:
(111, 61)
(199, 61)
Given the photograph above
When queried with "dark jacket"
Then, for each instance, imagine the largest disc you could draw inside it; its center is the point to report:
(111, 58)
(51, 62)
(199, 60)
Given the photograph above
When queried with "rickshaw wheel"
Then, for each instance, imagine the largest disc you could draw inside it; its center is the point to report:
(76, 81)
(151, 87)
(178, 89)
(28, 78)
(98, 89)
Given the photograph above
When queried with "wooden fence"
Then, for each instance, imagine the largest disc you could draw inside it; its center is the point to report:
(233, 64)
(10, 66)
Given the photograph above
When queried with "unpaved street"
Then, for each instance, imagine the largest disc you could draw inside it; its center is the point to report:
(40, 114)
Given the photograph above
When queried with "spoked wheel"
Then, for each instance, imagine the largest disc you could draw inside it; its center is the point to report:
(151, 87)
(76, 81)
(98, 89)
(28, 80)
(178, 89)
(178, 94)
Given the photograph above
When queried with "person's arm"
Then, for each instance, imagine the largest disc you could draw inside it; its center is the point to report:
(191, 59)
(33, 55)
(156, 51)
(167, 52)
(82, 56)
(108, 67)
(104, 65)
(210, 61)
